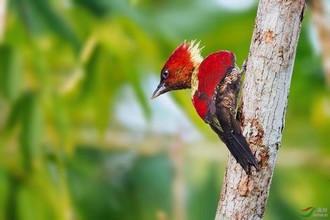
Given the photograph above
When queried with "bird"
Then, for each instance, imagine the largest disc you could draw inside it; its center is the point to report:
(215, 84)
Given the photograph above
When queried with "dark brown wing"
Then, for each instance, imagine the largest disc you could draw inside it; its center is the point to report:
(232, 136)
(225, 124)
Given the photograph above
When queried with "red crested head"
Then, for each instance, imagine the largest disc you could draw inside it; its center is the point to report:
(177, 71)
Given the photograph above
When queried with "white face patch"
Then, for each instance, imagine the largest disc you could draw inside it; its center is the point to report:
(194, 82)
(196, 58)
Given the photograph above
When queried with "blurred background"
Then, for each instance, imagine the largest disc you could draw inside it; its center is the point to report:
(80, 138)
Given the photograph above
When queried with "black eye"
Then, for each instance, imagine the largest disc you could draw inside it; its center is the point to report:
(165, 73)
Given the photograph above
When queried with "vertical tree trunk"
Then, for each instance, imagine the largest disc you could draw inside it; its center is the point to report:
(263, 106)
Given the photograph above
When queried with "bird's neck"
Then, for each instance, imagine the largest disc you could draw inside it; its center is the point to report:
(194, 80)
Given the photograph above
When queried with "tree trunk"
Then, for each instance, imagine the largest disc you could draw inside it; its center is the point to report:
(263, 105)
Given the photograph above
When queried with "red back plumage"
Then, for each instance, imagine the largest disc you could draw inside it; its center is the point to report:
(211, 72)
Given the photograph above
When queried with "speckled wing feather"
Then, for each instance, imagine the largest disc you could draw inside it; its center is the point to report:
(215, 101)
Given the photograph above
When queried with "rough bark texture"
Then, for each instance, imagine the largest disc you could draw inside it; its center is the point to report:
(263, 106)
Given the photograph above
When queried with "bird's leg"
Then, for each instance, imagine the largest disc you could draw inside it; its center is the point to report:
(243, 68)
(239, 114)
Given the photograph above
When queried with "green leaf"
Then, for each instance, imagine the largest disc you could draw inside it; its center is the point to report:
(89, 80)
(98, 8)
(14, 115)
(55, 21)
(32, 130)
(29, 16)
(40, 14)
(32, 204)
(61, 123)
(4, 194)
(10, 72)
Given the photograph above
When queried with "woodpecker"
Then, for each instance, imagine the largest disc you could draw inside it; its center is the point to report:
(215, 85)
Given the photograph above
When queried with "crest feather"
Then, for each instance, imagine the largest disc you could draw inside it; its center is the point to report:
(195, 52)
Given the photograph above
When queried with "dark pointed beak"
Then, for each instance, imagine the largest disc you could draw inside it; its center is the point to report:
(160, 90)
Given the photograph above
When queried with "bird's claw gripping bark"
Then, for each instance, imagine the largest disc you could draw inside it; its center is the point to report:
(244, 65)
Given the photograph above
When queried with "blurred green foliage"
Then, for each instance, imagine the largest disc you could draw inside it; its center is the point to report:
(62, 64)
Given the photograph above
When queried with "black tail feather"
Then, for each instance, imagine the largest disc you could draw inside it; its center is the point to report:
(239, 148)
(242, 154)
